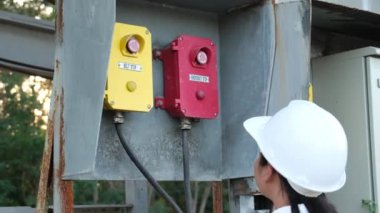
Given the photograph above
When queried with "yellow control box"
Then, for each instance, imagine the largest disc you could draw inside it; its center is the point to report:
(129, 84)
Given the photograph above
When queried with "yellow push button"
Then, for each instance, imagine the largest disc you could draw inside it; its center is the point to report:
(131, 86)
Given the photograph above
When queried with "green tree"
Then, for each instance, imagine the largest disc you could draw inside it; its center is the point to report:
(22, 120)
(41, 9)
(21, 138)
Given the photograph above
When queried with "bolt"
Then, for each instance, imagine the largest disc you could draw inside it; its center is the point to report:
(157, 54)
(118, 118)
(112, 102)
(180, 38)
(159, 103)
(147, 32)
(149, 106)
(212, 43)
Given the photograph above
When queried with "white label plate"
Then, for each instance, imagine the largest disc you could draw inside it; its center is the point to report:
(199, 78)
(128, 66)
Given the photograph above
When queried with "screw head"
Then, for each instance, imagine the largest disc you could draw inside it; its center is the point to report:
(157, 54)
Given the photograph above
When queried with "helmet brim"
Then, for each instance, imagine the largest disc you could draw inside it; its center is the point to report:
(255, 126)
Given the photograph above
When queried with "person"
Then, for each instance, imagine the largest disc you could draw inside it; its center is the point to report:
(303, 155)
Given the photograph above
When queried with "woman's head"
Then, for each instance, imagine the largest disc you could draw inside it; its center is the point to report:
(274, 185)
(305, 144)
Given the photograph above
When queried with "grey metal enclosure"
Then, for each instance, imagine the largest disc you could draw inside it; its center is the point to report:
(256, 77)
(348, 85)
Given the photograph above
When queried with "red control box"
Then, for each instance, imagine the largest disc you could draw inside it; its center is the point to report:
(190, 78)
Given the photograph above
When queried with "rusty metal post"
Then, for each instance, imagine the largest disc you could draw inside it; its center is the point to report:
(290, 74)
(63, 199)
(240, 192)
(46, 166)
(217, 196)
(80, 36)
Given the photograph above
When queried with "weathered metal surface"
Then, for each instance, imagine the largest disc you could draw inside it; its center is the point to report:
(79, 32)
(103, 209)
(249, 59)
(155, 137)
(62, 190)
(215, 6)
(64, 187)
(340, 18)
(18, 209)
(83, 43)
(372, 6)
(217, 196)
(26, 44)
(136, 195)
(240, 195)
(47, 163)
(247, 47)
(291, 75)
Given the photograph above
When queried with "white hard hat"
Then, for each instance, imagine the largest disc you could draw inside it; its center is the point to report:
(305, 144)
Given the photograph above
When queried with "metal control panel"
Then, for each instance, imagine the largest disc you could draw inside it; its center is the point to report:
(129, 82)
(190, 78)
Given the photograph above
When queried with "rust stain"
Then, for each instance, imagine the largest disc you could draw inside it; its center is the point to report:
(241, 187)
(46, 165)
(65, 187)
(217, 196)
(59, 21)
(57, 66)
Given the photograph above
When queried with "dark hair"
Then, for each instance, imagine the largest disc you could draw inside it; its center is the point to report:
(318, 204)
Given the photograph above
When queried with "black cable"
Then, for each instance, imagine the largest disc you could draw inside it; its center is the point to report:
(146, 174)
(186, 170)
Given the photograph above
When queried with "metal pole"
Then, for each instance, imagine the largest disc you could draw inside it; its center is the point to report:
(63, 199)
(136, 194)
(46, 168)
(186, 171)
(74, 20)
(217, 196)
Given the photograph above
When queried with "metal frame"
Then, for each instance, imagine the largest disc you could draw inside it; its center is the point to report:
(38, 30)
(29, 46)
